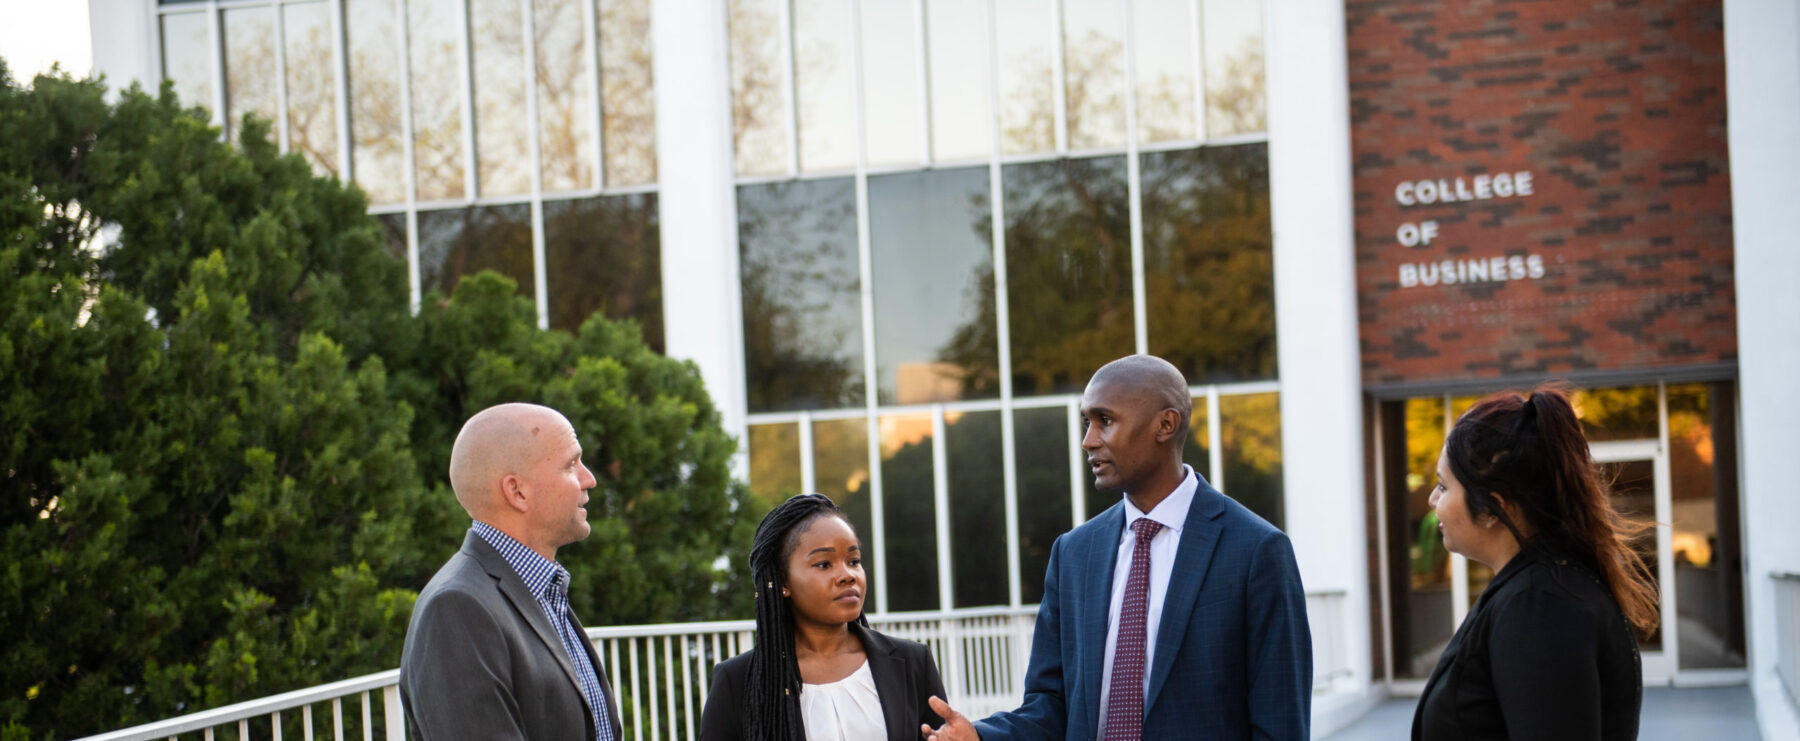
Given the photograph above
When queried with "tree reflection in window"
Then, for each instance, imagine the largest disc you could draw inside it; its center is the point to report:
(909, 512)
(434, 41)
(187, 57)
(627, 92)
(464, 241)
(1209, 279)
(250, 78)
(1068, 271)
(977, 497)
(311, 86)
(932, 248)
(604, 255)
(802, 295)
(564, 99)
(1250, 442)
(759, 138)
(1041, 457)
(378, 151)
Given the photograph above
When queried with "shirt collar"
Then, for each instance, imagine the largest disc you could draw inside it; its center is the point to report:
(1172, 511)
(538, 573)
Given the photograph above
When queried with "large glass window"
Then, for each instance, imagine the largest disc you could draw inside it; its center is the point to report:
(377, 126)
(1068, 271)
(312, 93)
(934, 285)
(759, 97)
(393, 232)
(823, 84)
(1027, 104)
(841, 471)
(464, 241)
(434, 45)
(1250, 438)
(1209, 277)
(961, 121)
(250, 77)
(444, 101)
(1094, 73)
(187, 57)
(628, 92)
(604, 255)
(802, 295)
(909, 510)
(1041, 448)
(502, 146)
(890, 63)
(565, 98)
(774, 463)
(1011, 87)
(977, 497)
(1163, 61)
(1233, 40)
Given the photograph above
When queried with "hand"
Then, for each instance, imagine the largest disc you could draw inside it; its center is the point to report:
(955, 727)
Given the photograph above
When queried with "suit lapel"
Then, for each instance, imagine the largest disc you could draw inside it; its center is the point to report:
(1199, 538)
(523, 603)
(1102, 554)
(890, 678)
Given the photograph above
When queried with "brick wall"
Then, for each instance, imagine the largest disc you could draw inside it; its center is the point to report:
(1620, 256)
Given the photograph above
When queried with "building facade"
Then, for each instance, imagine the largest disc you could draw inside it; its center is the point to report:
(897, 235)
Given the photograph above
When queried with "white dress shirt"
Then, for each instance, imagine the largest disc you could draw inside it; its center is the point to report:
(1171, 513)
(845, 710)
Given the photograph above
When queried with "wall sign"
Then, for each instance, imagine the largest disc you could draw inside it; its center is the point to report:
(1540, 188)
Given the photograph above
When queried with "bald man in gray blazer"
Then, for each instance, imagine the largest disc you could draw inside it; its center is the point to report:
(493, 651)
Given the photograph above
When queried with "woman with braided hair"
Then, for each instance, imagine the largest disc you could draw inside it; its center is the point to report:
(818, 672)
(1550, 649)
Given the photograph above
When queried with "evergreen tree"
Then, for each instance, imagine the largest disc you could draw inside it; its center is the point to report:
(222, 465)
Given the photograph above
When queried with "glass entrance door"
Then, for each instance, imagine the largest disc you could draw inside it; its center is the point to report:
(1638, 472)
(1667, 452)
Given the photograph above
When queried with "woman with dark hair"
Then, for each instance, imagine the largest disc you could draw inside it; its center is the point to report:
(1550, 650)
(818, 671)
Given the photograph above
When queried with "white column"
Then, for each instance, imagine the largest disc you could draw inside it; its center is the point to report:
(1315, 322)
(124, 44)
(1762, 86)
(702, 313)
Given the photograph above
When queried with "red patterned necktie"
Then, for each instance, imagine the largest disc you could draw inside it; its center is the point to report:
(1125, 701)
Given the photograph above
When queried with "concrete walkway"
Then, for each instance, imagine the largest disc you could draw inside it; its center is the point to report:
(1708, 713)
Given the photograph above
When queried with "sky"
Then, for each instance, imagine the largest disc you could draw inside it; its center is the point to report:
(36, 33)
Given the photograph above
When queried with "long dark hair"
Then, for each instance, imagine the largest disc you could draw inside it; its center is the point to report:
(1530, 450)
(773, 697)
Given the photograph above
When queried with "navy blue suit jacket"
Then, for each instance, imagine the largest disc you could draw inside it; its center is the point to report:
(1233, 655)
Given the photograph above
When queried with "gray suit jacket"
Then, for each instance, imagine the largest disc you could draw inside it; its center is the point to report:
(482, 660)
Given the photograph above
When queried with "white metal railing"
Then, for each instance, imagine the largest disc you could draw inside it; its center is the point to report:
(1787, 631)
(266, 714)
(661, 675)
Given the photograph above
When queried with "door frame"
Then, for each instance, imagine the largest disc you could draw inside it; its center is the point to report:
(1661, 666)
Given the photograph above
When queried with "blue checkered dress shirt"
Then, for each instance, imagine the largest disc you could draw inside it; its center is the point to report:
(549, 585)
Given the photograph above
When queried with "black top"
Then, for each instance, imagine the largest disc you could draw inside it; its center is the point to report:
(1545, 654)
(906, 676)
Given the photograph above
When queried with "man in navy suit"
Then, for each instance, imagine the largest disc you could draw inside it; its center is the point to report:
(1177, 613)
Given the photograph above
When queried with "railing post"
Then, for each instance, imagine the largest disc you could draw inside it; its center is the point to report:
(396, 717)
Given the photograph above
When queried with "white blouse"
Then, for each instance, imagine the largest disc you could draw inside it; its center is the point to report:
(846, 710)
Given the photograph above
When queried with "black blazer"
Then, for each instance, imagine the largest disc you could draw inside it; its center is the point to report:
(905, 677)
(1545, 654)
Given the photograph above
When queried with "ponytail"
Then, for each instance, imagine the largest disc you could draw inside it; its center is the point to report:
(1529, 450)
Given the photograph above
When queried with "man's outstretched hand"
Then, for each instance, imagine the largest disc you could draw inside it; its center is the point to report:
(955, 727)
